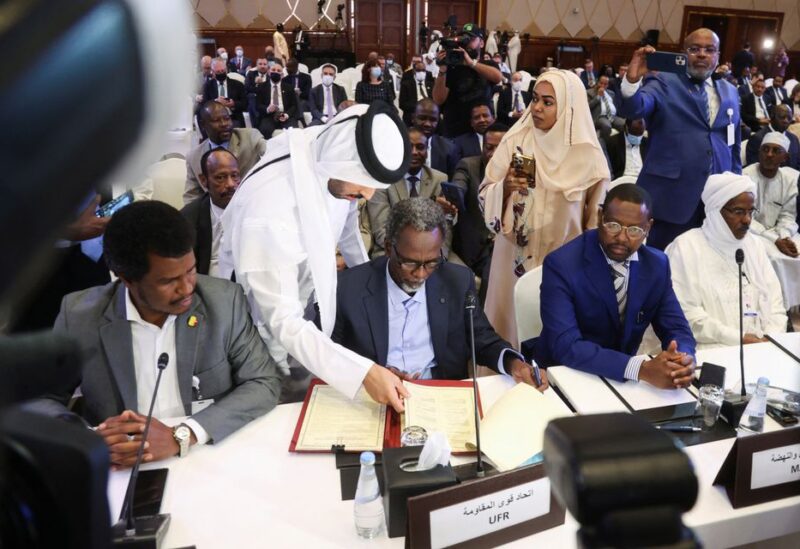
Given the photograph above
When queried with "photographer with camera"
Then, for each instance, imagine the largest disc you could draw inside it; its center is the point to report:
(463, 80)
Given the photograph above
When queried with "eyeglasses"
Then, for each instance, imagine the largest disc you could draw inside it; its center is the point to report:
(694, 50)
(741, 212)
(634, 233)
(410, 265)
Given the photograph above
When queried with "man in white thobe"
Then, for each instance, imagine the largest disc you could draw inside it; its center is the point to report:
(283, 225)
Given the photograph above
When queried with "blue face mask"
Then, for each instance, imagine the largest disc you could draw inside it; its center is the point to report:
(376, 72)
(634, 139)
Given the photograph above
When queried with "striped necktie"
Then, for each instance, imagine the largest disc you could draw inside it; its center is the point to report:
(619, 271)
(413, 193)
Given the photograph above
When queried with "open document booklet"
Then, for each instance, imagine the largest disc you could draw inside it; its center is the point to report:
(511, 434)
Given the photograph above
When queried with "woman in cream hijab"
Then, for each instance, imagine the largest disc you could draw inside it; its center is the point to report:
(531, 217)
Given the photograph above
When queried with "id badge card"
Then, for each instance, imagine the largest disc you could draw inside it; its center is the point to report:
(200, 405)
(731, 131)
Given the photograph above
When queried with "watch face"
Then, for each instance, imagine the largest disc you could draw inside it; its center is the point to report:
(182, 432)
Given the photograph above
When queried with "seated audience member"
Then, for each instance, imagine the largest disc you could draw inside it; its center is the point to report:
(372, 86)
(745, 83)
(420, 181)
(755, 108)
(794, 104)
(255, 78)
(780, 119)
(626, 150)
(512, 101)
(407, 310)
(603, 289)
(239, 63)
(615, 86)
(776, 202)
(589, 75)
(604, 111)
(443, 154)
(705, 274)
(220, 175)
(205, 75)
(480, 118)
(502, 66)
(246, 144)
(276, 103)
(161, 305)
(472, 239)
(325, 96)
(413, 90)
(776, 94)
(226, 91)
(300, 82)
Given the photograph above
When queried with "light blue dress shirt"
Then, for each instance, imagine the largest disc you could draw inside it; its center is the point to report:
(410, 343)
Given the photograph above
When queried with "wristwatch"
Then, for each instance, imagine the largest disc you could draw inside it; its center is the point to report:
(182, 435)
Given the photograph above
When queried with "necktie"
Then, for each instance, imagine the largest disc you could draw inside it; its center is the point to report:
(702, 100)
(329, 111)
(763, 105)
(413, 181)
(421, 89)
(517, 106)
(221, 90)
(608, 106)
(275, 100)
(619, 270)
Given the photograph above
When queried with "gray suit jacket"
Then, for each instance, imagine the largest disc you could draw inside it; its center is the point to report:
(380, 204)
(247, 145)
(594, 103)
(223, 349)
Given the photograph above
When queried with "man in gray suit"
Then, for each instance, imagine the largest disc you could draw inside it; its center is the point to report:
(419, 181)
(246, 144)
(604, 111)
(219, 372)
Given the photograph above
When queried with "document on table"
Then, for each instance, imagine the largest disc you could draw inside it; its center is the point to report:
(332, 418)
(642, 395)
(442, 408)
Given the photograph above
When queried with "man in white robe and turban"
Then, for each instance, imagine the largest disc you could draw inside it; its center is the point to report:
(282, 228)
(705, 273)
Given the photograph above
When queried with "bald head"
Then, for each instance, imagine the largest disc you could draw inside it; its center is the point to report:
(702, 47)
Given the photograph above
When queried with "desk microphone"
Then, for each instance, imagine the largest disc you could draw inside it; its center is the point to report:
(471, 304)
(733, 405)
(147, 531)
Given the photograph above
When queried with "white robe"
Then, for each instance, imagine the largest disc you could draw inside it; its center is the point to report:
(263, 241)
(514, 48)
(707, 288)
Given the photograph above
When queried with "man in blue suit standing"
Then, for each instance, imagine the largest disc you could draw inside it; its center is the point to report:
(602, 290)
(693, 127)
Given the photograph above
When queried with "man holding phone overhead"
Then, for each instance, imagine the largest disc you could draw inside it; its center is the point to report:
(693, 126)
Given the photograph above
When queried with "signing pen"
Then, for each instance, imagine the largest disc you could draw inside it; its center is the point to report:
(679, 428)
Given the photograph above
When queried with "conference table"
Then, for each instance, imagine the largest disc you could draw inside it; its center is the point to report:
(250, 491)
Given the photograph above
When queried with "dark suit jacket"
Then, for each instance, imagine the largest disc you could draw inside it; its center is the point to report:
(444, 155)
(754, 144)
(408, 95)
(235, 92)
(264, 98)
(742, 59)
(317, 99)
(744, 90)
(198, 214)
(223, 349)
(468, 144)
(472, 240)
(615, 147)
(233, 66)
(505, 103)
(749, 111)
(772, 96)
(362, 318)
(303, 82)
(581, 326)
(250, 81)
(684, 150)
(585, 79)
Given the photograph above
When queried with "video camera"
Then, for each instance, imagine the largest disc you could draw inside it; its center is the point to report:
(450, 45)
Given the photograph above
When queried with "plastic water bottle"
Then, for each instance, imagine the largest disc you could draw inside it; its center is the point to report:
(368, 508)
(753, 417)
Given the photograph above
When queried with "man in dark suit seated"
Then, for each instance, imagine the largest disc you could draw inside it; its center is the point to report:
(756, 107)
(589, 75)
(220, 175)
(219, 372)
(255, 78)
(226, 91)
(413, 89)
(239, 63)
(325, 97)
(443, 154)
(473, 242)
(300, 82)
(745, 83)
(776, 94)
(513, 100)
(780, 120)
(626, 150)
(480, 118)
(276, 103)
(407, 310)
(602, 290)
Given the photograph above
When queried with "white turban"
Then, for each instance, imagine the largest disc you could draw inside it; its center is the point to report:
(776, 138)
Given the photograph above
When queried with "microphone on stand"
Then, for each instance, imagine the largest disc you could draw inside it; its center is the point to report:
(147, 531)
(471, 304)
(733, 404)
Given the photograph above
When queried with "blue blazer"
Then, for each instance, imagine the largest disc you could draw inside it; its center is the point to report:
(581, 327)
(683, 149)
(362, 318)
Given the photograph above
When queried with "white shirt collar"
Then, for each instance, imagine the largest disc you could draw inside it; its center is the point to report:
(633, 257)
(216, 212)
(132, 313)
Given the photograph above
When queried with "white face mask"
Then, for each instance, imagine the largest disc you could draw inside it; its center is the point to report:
(420, 75)
(516, 86)
(375, 72)
(239, 53)
(327, 79)
(224, 55)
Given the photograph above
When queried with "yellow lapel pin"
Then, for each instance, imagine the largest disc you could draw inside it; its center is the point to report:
(192, 322)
